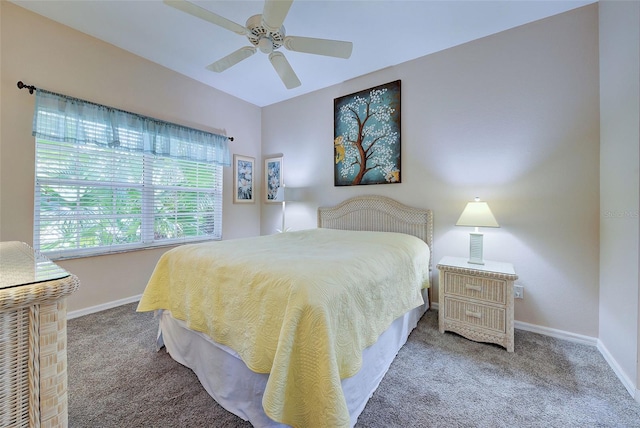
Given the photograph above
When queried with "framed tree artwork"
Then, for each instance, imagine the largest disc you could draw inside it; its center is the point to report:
(366, 145)
(243, 173)
(272, 178)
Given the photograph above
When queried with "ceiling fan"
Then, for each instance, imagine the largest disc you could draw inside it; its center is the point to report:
(266, 33)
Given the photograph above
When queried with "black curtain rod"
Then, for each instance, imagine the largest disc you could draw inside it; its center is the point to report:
(32, 88)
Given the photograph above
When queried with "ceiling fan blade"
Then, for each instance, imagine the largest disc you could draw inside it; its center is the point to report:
(284, 70)
(202, 13)
(274, 13)
(335, 48)
(232, 59)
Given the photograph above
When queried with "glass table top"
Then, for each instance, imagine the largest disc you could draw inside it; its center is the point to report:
(22, 265)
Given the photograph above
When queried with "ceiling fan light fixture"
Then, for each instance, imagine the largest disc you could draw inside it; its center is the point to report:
(265, 45)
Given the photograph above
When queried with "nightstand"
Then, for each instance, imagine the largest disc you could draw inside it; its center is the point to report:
(476, 301)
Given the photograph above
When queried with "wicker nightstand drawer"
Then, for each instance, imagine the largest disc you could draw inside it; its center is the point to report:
(476, 315)
(476, 301)
(476, 287)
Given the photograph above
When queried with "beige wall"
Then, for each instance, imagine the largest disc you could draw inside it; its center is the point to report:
(51, 56)
(620, 187)
(511, 118)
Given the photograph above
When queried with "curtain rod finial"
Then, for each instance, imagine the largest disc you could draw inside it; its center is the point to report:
(29, 87)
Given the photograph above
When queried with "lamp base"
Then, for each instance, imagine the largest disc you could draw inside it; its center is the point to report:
(475, 248)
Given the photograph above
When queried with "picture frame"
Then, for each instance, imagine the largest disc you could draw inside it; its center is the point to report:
(243, 179)
(272, 178)
(367, 154)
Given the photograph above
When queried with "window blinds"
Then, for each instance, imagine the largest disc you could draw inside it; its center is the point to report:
(105, 185)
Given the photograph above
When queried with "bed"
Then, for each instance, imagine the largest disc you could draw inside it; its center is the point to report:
(298, 328)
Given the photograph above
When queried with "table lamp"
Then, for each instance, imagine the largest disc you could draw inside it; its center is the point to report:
(282, 196)
(476, 214)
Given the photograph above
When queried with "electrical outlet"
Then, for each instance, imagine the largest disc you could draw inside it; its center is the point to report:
(518, 291)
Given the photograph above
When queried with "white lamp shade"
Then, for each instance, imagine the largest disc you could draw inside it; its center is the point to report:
(477, 214)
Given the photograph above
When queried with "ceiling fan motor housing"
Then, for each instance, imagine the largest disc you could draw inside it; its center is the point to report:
(265, 40)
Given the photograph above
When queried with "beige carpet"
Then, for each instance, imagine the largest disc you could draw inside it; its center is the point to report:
(117, 379)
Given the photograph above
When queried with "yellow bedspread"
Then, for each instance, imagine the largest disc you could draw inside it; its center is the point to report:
(298, 305)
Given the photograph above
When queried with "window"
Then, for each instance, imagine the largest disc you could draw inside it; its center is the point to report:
(95, 198)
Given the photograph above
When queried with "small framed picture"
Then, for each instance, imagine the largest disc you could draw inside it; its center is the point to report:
(272, 178)
(243, 173)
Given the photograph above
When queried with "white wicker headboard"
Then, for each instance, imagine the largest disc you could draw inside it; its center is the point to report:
(380, 214)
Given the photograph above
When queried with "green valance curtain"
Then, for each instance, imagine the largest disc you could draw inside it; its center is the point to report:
(62, 118)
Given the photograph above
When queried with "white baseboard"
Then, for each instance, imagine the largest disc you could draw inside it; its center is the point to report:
(102, 307)
(628, 383)
(559, 334)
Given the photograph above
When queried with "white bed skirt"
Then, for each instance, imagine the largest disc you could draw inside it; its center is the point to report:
(239, 390)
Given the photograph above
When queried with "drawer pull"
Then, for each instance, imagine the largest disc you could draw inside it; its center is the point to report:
(473, 314)
(473, 287)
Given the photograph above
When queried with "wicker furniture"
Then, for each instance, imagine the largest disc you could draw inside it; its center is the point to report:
(476, 301)
(378, 213)
(382, 214)
(33, 367)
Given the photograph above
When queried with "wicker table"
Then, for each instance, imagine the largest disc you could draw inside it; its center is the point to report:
(33, 338)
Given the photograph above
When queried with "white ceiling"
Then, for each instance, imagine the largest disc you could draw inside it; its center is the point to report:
(384, 33)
